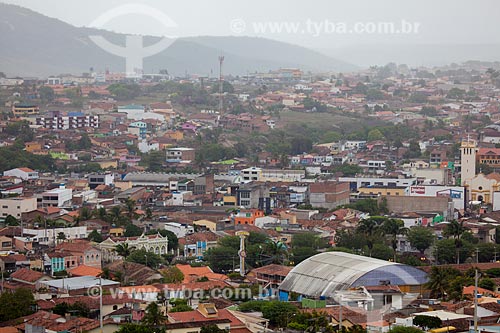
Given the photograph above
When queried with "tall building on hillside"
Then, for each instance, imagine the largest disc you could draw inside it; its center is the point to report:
(468, 151)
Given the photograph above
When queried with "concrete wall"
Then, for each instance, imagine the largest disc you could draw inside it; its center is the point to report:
(398, 204)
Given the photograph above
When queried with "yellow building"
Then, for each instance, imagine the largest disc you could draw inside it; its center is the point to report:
(116, 232)
(25, 109)
(108, 164)
(229, 200)
(209, 225)
(32, 146)
(381, 190)
(175, 135)
(481, 187)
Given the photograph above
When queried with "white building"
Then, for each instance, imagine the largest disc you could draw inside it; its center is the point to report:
(357, 182)
(468, 152)
(153, 243)
(456, 193)
(22, 173)
(100, 179)
(179, 229)
(16, 206)
(58, 197)
(49, 236)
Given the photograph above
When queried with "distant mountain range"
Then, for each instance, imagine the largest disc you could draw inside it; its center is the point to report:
(32, 44)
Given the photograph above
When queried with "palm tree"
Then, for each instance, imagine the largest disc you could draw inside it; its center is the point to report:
(130, 206)
(61, 236)
(455, 229)
(439, 280)
(394, 227)
(275, 253)
(115, 213)
(123, 250)
(370, 228)
(153, 316)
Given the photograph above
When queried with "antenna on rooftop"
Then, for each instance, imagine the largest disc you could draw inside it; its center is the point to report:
(221, 84)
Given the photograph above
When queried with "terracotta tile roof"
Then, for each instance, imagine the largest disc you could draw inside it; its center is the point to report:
(485, 292)
(26, 275)
(483, 266)
(196, 316)
(91, 302)
(8, 329)
(84, 270)
(79, 245)
(25, 169)
(273, 269)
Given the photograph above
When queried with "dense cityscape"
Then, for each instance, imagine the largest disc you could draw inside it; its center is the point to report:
(287, 199)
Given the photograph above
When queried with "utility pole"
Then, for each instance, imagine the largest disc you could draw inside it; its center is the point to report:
(340, 314)
(221, 85)
(476, 278)
(100, 302)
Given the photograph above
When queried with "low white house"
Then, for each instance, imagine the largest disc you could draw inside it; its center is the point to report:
(22, 173)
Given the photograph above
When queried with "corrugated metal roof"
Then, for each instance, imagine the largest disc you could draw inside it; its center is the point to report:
(324, 273)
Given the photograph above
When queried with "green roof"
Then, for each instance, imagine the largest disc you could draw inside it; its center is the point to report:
(227, 162)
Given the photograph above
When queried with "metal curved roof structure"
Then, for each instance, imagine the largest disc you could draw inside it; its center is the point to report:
(325, 273)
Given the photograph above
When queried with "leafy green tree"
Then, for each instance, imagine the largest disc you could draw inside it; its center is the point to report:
(149, 213)
(46, 94)
(95, 236)
(134, 328)
(487, 283)
(427, 322)
(421, 238)
(446, 251)
(370, 228)
(347, 170)
(132, 230)
(394, 228)
(77, 308)
(16, 304)
(154, 161)
(212, 329)
(172, 274)
(274, 253)
(305, 245)
(11, 221)
(382, 251)
(85, 214)
(130, 207)
(21, 130)
(456, 93)
(301, 144)
(375, 135)
(144, 257)
(179, 305)
(413, 151)
(369, 206)
(227, 87)
(405, 329)
(61, 236)
(456, 230)
(331, 136)
(123, 91)
(279, 313)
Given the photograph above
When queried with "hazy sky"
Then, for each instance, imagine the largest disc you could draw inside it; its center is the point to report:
(439, 21)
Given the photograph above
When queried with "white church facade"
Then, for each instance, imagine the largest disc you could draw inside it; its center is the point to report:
(151, 243)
